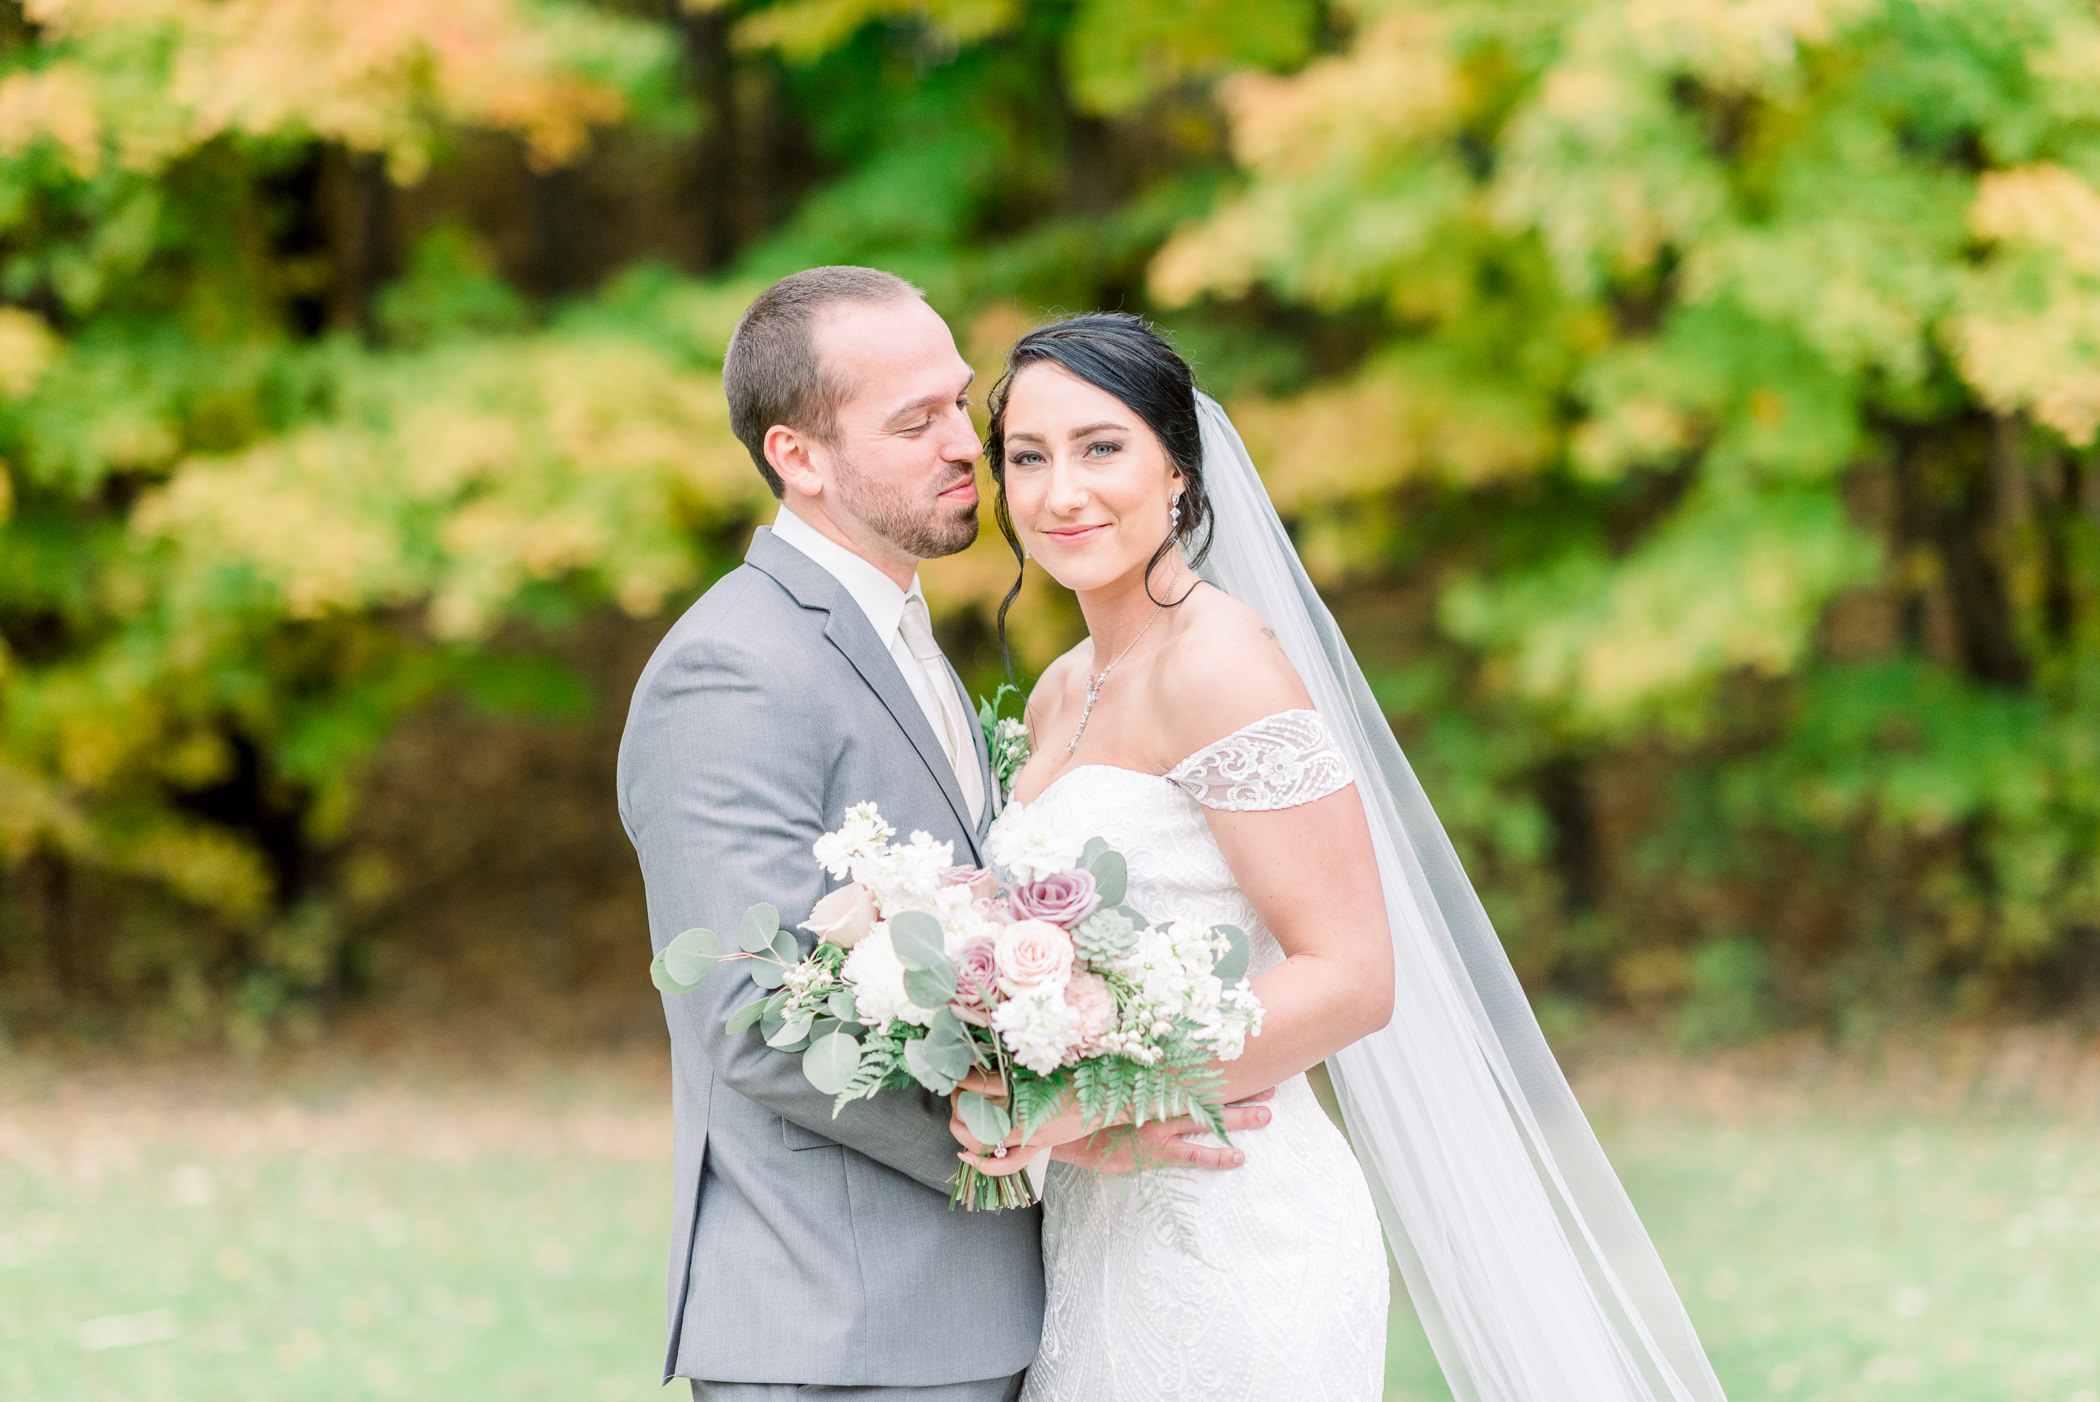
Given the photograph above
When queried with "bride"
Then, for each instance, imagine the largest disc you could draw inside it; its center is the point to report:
(1214, 728)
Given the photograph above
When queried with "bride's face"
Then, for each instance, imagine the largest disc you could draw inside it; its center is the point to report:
(1088, 484)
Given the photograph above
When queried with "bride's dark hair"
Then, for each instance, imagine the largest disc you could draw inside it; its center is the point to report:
(1122, 355)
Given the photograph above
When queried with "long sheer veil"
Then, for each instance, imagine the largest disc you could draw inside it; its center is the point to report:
(1528, 1265)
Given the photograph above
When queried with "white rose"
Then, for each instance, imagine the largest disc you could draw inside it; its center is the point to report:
(844, 916)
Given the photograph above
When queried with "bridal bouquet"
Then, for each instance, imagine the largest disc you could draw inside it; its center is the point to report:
(925, 971)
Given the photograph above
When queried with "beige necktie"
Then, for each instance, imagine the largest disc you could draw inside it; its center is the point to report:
(952, 726)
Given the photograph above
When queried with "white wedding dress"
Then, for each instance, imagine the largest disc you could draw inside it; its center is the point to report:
(1283, 1297)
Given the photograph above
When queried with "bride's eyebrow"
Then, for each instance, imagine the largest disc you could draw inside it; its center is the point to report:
(1105, 426)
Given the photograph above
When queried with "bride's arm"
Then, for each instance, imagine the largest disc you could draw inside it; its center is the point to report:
(1311, 875)
(1308, 870)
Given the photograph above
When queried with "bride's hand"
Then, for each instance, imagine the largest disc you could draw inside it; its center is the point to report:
(1102, 1151)
(1162, 1143)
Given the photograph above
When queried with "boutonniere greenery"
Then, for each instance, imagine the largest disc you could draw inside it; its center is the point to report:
(1005, 737)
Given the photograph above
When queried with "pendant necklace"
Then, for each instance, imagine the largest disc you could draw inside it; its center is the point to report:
(1095, 682)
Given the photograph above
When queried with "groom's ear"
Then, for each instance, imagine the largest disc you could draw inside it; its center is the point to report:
(789, 452)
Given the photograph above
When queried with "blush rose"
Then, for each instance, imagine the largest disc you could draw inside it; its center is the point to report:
(844, 916)
(1032, 953)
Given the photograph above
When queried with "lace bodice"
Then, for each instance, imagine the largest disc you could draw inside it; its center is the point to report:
(1283, 1298)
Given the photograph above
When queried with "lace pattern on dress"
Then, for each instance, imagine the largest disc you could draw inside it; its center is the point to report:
(1279, 761)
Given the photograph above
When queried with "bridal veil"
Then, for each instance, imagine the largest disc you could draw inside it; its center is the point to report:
(1528, 1266)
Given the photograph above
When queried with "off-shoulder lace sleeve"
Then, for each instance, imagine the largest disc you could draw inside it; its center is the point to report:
(1279, 761)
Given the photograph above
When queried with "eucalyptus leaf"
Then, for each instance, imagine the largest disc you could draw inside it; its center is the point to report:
(661, 977)
(767, 974)
(794, 1030)
(784, 947)
(949, 1043)
(931, 986)
(831, 1061)
(984, 1117)
(691, 956)
(743, 1017)
(917, 938)
(755, 931)
(1111, 876)
(1232, 964)
(1095, 846)
(841, 1006)
(929, 1071)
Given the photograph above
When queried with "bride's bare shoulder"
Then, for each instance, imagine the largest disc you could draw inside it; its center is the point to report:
(1222, 671)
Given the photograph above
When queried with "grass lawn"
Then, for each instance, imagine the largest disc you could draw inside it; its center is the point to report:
(1907, 1231)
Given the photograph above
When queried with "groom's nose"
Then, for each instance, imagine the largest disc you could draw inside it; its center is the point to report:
(960, 443)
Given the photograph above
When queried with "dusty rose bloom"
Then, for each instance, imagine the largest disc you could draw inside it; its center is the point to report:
(842, 917)
(1091, 997)
(976, 981)
(983, 884)
(1032, 953)
(1063, 899)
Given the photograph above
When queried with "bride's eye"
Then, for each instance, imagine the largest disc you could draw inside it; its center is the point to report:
(1103, 448)
(1023, 458)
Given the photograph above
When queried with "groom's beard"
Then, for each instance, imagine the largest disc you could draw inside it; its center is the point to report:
(922, 526)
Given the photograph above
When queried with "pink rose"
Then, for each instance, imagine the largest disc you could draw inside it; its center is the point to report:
(1065, 898)
(842, 917)
(1032, 953)
(983, 884)
(996, 911)
(1091, 998)
(976, 982)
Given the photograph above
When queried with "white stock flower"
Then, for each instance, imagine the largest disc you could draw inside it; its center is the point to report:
(906, 876)
(1039, 1027)
(1028, 846)
(877, 976)
(858, 837)
(961, 921)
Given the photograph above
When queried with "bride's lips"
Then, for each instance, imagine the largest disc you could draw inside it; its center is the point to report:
(1076, 534)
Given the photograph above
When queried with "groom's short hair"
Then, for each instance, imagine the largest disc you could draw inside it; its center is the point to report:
(772, 373)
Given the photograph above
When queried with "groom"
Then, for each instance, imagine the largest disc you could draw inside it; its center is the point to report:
(808, 1249)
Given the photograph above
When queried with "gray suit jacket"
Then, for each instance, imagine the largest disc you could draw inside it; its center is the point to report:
(805, 1249)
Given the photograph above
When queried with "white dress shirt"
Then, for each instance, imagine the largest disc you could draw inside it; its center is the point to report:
(883, 603)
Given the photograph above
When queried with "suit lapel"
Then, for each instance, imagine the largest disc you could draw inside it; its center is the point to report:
(850, 632)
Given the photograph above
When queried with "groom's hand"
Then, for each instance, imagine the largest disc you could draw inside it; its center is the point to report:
(1162, 1142)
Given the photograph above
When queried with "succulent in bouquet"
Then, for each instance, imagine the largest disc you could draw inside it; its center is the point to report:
(924, 972)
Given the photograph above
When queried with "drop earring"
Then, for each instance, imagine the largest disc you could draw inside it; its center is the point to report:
(1174, 516)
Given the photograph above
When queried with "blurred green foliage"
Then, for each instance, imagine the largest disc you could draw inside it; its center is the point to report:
(1689, 404)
